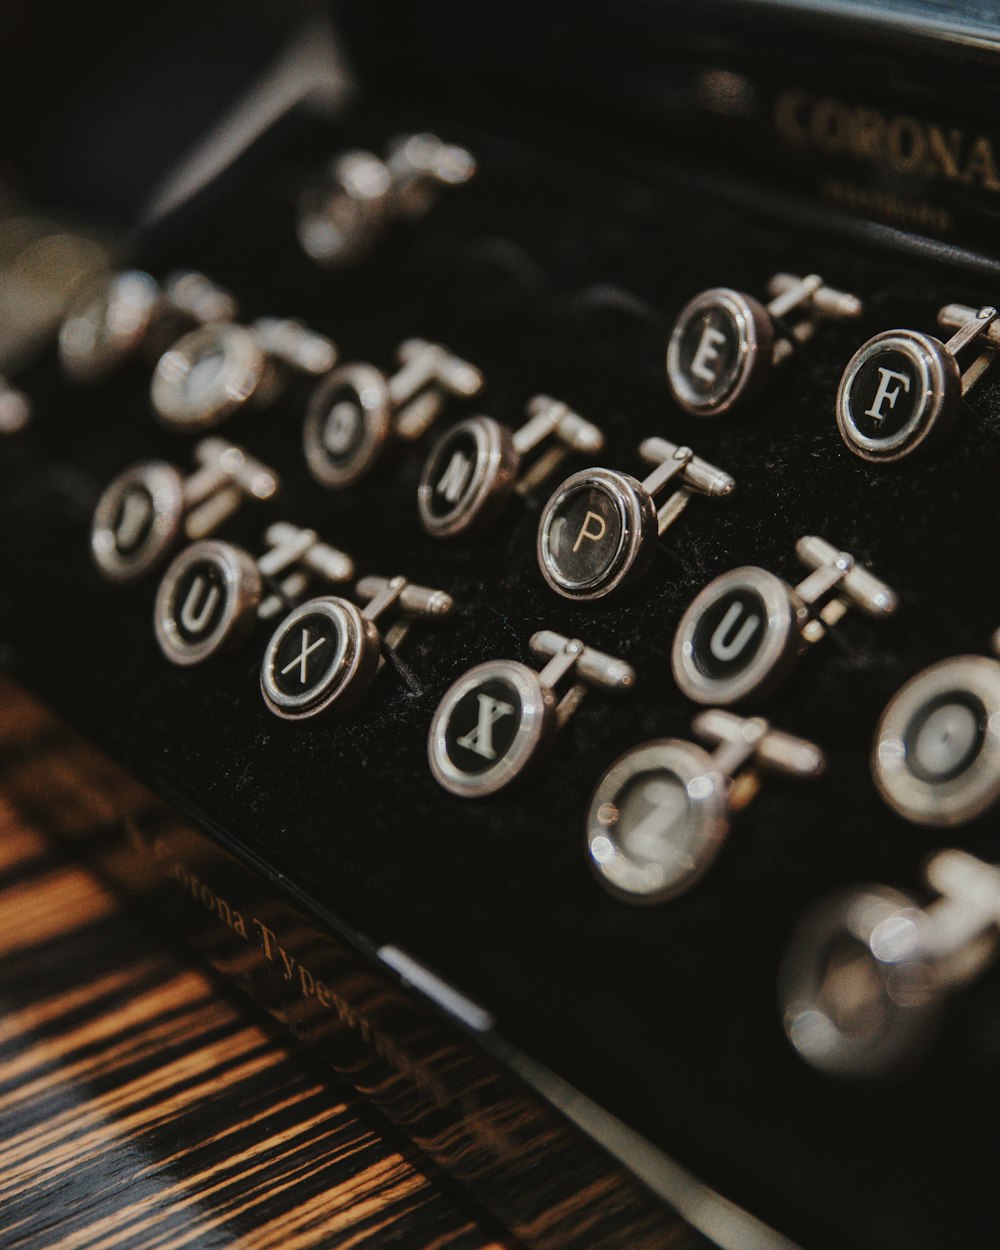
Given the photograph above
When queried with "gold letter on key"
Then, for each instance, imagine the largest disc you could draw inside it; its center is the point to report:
(595, 536)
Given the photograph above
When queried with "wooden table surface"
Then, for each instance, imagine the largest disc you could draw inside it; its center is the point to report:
(142, 1105)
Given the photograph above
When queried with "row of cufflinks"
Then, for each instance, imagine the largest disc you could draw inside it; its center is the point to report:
(738, 639)
(900, 390)
(936, 758)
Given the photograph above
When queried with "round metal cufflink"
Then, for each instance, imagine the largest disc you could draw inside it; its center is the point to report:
(936, 756)
(145, 509)
(903, 388)
(213, 592)
(724, 343)
(742, 633)
(355, 413)
(869, 971)
(498, 718)
(128, 311)
(212, 373)
(345, 213)
(475, 467)
(326, 653)
(600, 527)
(15, 408)
(660, 814)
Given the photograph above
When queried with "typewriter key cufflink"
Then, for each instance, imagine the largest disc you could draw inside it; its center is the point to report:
(326, 653)
(355, 413)
(213, 592)
(128, 311)
(600, 527)
(724, 343)
(212, 373)
(661, 813)
(745, 630)
(476, 466)
(346, 212)
(936, 757)
(869, 970)
(499, 717)
(904, 388)
(16, 409)
(145, 509)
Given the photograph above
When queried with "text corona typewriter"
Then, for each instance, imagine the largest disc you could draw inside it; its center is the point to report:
(517, 549)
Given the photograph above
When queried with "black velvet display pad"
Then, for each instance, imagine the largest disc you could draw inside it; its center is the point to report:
(560, 277)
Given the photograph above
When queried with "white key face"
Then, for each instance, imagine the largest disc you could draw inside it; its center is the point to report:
(316, 658)
(453, 482)
(947, 737)
(297, 668)
(654, 822)
(936, 757)
(134, 519)
(342, 428)
(204, 376)
(199, 605)
(480, 738)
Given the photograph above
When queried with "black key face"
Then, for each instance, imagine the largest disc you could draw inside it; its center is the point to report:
(306, 656)
(133, 522)
(729, 635)
(585, 536)
(945, 737)
(483, 726)
(709, 357)
(199, 601)
(453, 474)
(886, 393)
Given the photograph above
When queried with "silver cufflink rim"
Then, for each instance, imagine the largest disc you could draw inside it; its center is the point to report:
(956, 800)
(775, 657)
(755, 332)
(678, 474)
(637, 517)
(940, 385)
(133, 308)
(942, 381)
(133, 288)
(360, 642)
(536, 725)
(241, 596)
(370, 388)
(542, 710)
(744, 747)
(292, 557)
(225, 476)
(794, 618)
(241, 373)
(165, 487)
(915, 957)
(375, 191)
(501, 464)
(349, 674)
(255, 360)
(649, 884)
(764, 339)
(816, 1036)
(401, 405)
(493, 477)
